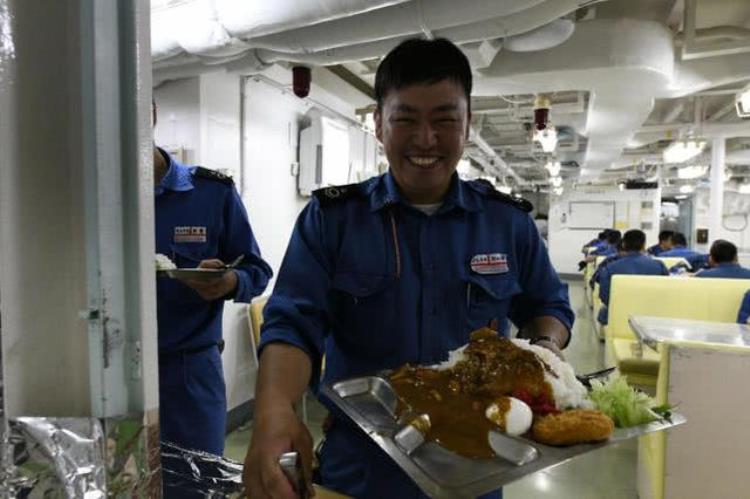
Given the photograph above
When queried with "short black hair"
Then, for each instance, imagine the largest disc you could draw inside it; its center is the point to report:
(723, 251)
(665, 235)
(416, 61)
(679, 239)
(613, 237)
(634, 240)
(602, 235)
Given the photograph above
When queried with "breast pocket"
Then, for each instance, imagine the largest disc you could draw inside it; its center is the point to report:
(364, 306)
(487, 298)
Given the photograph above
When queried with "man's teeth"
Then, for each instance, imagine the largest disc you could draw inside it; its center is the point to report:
(422, 161)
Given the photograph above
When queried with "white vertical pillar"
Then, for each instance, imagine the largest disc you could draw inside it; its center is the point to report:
(716, 200)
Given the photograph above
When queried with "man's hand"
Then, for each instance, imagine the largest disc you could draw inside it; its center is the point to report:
(276, 430)
(551, 346)
(213, 289)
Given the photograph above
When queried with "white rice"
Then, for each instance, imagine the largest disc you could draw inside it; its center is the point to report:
(569, 393)
(164, 263)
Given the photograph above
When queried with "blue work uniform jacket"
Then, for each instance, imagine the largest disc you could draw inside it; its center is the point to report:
(744, 312)
(633, 263)
(199, 216)
(726, 271)
(373, 283)
(655, 250)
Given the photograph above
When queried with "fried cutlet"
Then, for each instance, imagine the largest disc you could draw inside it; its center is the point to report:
(572, 427)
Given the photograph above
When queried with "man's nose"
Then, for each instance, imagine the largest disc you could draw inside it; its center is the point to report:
(426, 135)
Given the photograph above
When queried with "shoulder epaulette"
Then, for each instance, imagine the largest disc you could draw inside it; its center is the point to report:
(518, 202)
(335, 194)
(213, 175)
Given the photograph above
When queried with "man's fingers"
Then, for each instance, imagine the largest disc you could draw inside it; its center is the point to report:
(212, 263)
(275, 483)
(304, 445)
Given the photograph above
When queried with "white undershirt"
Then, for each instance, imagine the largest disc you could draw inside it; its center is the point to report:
(428, 209)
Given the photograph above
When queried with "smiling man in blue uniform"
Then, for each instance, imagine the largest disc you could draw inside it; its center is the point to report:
(401, 268)
(200, 222)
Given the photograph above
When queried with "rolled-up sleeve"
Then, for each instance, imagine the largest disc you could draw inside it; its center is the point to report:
(543, 293)
(297, 312)
(254, 273)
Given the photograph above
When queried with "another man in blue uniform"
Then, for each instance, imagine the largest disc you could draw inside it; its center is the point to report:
(723, 262)
(632, 262)
(743, 316)
(200, 222)
(665, 243)
(679, 249)
(401, 268)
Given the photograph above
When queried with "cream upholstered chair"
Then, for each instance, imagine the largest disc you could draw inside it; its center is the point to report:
(255, 314)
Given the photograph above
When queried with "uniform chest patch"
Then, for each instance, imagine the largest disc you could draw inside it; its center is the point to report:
(190, 234)
(492, 263)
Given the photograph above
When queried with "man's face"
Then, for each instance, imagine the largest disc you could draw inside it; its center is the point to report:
(666, 244)
(423, 128)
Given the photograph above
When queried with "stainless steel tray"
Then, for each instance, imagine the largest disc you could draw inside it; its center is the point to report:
(196, 274)
(371, 403)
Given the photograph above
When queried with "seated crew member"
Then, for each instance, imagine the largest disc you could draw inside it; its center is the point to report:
(743, 316)
(665, 243)
(723, 262)
(400, 268)
(679, 247)
(610, 248)
(632, 262)
(601, 240)
(607, 260)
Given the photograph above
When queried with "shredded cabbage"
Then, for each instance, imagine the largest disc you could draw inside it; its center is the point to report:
(621, 402)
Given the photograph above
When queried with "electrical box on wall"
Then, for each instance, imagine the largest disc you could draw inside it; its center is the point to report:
(333, 152)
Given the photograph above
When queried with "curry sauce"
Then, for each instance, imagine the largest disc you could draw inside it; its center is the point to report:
(456, 398)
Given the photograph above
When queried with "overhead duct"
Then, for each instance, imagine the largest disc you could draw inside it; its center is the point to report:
(412, 18)
(373, 33)
(215, 27)
(543, 38)
(491, 29)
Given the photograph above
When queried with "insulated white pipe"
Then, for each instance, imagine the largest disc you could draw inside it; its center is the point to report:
(716, 198)
(405, 19)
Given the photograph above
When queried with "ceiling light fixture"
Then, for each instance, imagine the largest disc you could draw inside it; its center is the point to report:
(687, 189)
(556, 181)
(742, 103)
(683, 150)
(547, 138)
(553, 167)
(690, 172)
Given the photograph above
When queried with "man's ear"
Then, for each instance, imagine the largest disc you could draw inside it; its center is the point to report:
(378, 118)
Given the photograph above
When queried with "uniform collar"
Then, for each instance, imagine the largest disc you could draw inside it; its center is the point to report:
(178, 177)
(728, 264)
(385, 192)
(633, 253)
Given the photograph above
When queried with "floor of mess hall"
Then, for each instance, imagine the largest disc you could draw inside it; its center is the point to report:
(608, 472)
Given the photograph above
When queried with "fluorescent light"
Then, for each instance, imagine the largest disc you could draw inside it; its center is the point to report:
(689, 172)
(687, 189)
(742, 102)
(553, 167)
(556, 181)
(744, 188)
(681, 151)
(681, 196)
(504, 189)
(547, 138)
